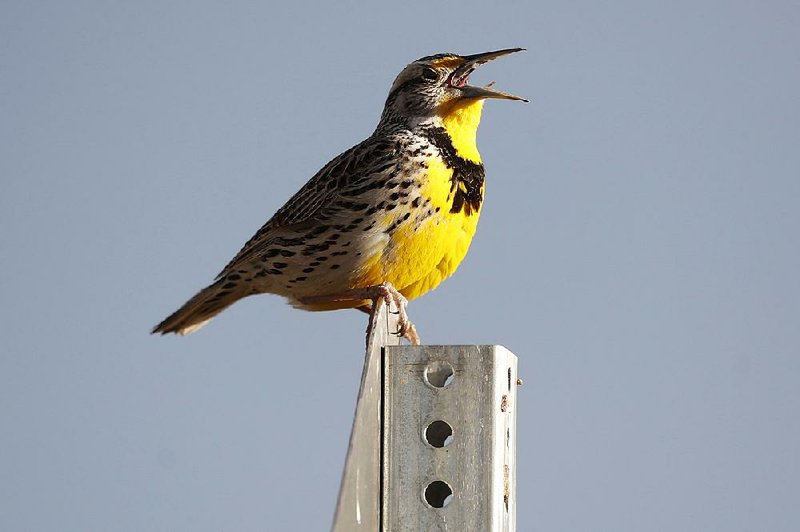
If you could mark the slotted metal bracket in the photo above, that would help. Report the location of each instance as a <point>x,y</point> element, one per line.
<point>433,445</point>
<point>449,438</point>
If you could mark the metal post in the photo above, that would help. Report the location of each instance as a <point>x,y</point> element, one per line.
<point>433,440</point>
<point>449,439</point>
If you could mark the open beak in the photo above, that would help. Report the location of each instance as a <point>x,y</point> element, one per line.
<point>458,79</point>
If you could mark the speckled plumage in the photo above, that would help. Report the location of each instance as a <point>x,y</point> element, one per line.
<point>400,207</point>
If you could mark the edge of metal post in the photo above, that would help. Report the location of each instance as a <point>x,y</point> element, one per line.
<point>358,505</point>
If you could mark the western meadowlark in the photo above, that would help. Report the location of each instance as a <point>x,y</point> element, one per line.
<point>389,218</point>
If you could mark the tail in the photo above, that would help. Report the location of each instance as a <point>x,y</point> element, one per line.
<point>196,312</point>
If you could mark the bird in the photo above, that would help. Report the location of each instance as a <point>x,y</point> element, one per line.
<point>390,218</point>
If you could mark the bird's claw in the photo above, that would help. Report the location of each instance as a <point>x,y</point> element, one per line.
<point>408,331</point>
<point>385,291</point>
<point>405,329</point>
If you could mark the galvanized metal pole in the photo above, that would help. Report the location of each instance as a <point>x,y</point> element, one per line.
<point>433,445</point>
<point>449,439</point>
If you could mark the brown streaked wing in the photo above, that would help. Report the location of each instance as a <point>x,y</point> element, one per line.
<point>348,170</point>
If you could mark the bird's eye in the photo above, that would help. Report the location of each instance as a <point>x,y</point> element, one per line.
<point>430,74</point>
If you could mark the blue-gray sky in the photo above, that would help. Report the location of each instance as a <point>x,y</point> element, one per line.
<point>638,251</point>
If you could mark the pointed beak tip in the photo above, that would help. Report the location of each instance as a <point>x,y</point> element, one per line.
<point>508,51</point>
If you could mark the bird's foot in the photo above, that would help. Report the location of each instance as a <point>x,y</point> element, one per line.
<point>385,291</point>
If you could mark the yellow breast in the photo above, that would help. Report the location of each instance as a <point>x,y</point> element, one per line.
<point>420,256</point>
<point>433,239</point>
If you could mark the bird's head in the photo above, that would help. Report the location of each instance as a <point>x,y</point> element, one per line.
<point>433,85</point>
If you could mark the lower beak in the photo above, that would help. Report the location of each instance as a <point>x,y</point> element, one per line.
<point>474,61</point>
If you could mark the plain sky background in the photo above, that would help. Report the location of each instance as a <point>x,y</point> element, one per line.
<point>638,251</point>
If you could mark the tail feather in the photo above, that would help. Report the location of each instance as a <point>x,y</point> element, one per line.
<point>196,312</point>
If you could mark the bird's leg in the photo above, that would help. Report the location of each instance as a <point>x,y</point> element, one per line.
<point>406,328</point>
<point>384,291</point>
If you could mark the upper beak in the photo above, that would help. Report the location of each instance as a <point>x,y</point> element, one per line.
<point>471,63</point>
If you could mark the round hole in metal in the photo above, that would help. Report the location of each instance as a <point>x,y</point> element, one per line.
<point>439,434</point>
<point>439,373</point>
<point>438,494</point>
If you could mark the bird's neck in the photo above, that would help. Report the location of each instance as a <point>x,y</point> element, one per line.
<point>461,119</point>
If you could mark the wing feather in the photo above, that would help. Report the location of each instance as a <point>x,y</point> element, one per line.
<point>323,196</point>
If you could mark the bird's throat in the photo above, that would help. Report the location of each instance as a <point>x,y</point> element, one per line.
<point>461,119</point>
